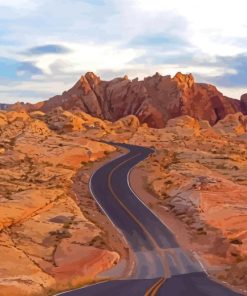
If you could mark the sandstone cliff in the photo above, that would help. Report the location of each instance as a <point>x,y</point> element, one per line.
<point>153,100</point>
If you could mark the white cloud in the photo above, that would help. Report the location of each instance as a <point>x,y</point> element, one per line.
<point>15,9</point>
<point>100,38</point>
<point>17,4</point>
<point>84,57</point>
<point>233,92</point>
<point>37,89</point>
<point>212,25</point>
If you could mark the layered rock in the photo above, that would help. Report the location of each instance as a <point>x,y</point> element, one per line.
<point>51,235</point>
<point>184,125</point>
<point>47,241</point>
<point>232,124</point>
<point>198,183</point>
<point>154,100</point>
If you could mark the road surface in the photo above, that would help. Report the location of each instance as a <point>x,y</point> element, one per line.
<point>161,267</point>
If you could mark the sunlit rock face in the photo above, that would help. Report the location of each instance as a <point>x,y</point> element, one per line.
<point>44,233</point>
<point>53,232</point>
<point>198,176</point>
<point>154,100</point>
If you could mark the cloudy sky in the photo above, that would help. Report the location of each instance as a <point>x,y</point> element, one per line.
<point>46,45</point>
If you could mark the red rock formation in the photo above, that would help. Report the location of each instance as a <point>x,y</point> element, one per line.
<point>154,100</point>
<point>243,104</point>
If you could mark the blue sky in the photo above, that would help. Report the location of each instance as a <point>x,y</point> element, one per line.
<point>45,46</point>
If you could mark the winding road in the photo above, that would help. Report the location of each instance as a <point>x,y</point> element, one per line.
<point>161,267</point>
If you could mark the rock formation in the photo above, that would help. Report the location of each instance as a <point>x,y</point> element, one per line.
<point>153,100</point>
<point>48,242</point>
<point>52,233</point>
<point>198,183</point>
<point>232,124</point>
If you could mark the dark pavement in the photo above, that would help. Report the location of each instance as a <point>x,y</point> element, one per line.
<point>162,267</point>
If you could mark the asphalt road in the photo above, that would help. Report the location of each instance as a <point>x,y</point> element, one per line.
<point>161,267</point>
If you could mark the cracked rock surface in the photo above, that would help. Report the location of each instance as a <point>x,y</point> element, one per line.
<point>46,242</point>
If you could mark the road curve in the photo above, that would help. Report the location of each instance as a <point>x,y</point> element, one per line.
<point>162,267</point>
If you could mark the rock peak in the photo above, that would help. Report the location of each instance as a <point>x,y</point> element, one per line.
<point>91,76</point>
<point>184,79</point>
<point>92,79</point>
<point>154,100</point>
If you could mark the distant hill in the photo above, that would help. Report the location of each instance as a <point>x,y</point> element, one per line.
<point>4,106</point>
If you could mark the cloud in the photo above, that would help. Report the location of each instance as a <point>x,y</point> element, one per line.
<point>27,68</point>
<point>17,4</point>
<point>36,89</point>
<point>234,76</point>
<point>48,49</point>
<point>86,57</point>
<point>238,78</point>
<point>163,41</point>
<point>212,26</point>
<point>13,69</point>
<point>49,44</point>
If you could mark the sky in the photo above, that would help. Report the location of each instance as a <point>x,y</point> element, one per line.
<point>46,45</point>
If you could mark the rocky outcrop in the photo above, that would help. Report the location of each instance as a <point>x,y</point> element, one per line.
<point>52,233</point>
<point>243,104</point>
<point>48,242</point>
<point>153,100</point>
<point>197,179</point>
<point>232,124</point>
<point>129,122</point>
<point>185,125</point>
<point>20,107</point>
